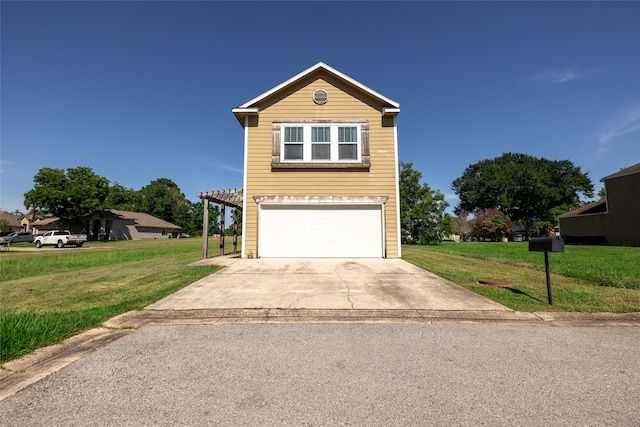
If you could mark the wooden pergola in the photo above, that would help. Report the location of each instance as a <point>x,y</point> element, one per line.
<point>224,198</point>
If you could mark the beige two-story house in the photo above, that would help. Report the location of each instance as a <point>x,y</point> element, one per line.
<point>320,169</point>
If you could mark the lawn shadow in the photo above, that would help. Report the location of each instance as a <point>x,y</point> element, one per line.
<point>519,292</point>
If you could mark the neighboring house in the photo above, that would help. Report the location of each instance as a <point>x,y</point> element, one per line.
<point>320,169</point>
<point>611,221</point>
<point>10,222</point>
<point>112,224</point>
<point>25,224</point>
<point>43,225</point>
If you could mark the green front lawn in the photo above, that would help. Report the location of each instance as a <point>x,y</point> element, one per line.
<point>49,295</point>
<point>583,278</point>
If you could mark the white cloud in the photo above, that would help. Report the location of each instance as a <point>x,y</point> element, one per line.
<point>558,77</point>
<point>229,168</point>
<point>217,165</point>
<point>452,196</point>
<point>626,122</point>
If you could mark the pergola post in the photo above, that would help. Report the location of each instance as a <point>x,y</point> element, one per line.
<point>222,216</point>
<point>232,198</point>
<point>205,230</point>
<point>235,231</point>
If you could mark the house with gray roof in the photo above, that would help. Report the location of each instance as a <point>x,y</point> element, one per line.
<point>10,222</point>
<point>113,224</point>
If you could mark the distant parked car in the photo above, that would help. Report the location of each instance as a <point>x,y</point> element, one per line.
<point>20,237</point>
<point>60,239</point>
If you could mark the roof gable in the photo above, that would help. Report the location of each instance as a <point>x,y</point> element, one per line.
<point>251,107</point>
<point>11,220</point>
<point>41,222</point>
<point>626,171</point>
<point>598,206</point>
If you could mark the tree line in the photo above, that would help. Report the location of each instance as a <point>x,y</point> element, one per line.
<point>495,195</point>
<point>77,193</point>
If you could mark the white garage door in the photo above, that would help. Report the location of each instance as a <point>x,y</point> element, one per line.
<point>344,231</point>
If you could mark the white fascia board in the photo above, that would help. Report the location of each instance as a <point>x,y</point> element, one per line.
<point>242,113</point>
<point>240,110</point>
<point>309,71</point>
<point>390,111</point>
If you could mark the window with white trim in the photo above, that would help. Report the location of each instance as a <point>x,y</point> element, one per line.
<point>321,142</point>
<point>293,139</point>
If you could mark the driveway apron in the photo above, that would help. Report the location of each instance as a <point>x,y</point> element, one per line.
<point>323,283</point>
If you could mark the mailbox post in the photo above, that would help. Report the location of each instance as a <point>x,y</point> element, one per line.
<point>546,245</point>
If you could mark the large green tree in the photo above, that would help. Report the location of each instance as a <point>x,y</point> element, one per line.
<point>423,218</point>
<point>523,187</point>
<point>70,195</point>
<point>163,199</point>
<point>194,226</point>
<point>121,198</point>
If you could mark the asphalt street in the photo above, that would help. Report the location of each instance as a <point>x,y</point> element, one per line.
<point>345,374</point>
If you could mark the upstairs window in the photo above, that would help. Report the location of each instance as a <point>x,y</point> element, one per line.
<point>321,143</point>
<point>293,139</point>
<point>324,143</point>
<point>348,143</point>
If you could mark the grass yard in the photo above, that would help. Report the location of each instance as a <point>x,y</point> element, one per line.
<point>49,295</point>
<point>583,278</point>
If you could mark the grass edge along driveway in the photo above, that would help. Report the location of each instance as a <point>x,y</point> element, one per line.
<point>48,296</point>
<point>466,263</point>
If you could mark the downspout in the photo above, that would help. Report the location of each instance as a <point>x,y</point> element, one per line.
<point>244,186</point>
<point>395,148</point>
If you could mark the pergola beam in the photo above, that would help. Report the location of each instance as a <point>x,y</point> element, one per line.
<point>231,198</point>
<point>223,198</point>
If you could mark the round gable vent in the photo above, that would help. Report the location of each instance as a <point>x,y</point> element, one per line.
<point>320,97</point>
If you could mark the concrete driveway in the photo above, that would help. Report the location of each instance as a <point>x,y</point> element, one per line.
<point>323,284</point>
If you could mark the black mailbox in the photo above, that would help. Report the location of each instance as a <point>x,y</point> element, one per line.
<point>546,244</point>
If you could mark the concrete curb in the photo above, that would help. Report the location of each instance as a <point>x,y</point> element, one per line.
<point>136,319</point>
<point>20,373</point>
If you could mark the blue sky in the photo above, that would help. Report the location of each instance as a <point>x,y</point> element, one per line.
<point>144,90</point>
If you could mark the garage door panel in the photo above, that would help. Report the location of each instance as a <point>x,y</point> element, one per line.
<point>321,231</point>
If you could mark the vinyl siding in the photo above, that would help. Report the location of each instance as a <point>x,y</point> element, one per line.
<point>344,103</point>
<point>624,210</point>
<point>621,224</point>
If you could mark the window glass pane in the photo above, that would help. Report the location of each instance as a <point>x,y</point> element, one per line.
<point>348,152</point>
<point>293,151</point>
<point>320,151</point>
<point>293,134</point>
<point>320,134</point>
<point>347,134</point>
